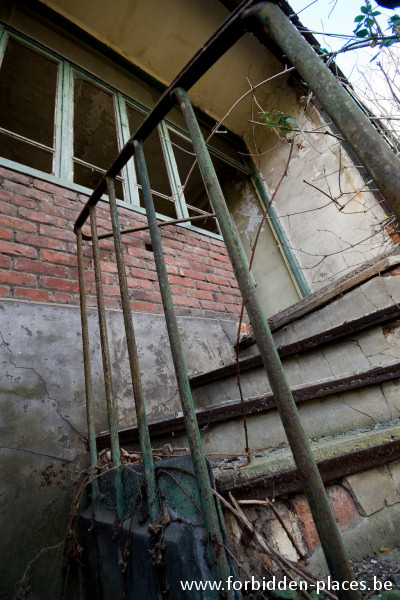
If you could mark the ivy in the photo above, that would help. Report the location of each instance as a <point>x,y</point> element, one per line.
<point>367,28</point>
<point>284,122</point>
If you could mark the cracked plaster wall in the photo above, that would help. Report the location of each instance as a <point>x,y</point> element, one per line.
<point>43,419</point>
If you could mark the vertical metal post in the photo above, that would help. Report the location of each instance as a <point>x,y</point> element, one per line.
<point>87,370</point>
<point>313,486</point>
<point>370,147</point>
<point>144,436</point>
<point>111,412</point>
<point>215,545</point>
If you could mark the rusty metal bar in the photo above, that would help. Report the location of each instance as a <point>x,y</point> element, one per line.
<point>313,486</point>
<point>144,436</point>
<point>364,139</point>
<point>111,411</point>
<point>104,236</point>
<point>88,372</point>
<point>215,540</point>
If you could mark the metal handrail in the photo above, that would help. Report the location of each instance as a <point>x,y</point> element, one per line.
<point>270,17</point>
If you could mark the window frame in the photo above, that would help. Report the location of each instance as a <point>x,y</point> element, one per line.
<point>63,151</point>
<point>63,155</point>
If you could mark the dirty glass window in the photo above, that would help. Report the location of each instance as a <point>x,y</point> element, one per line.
<point>57,119</point>
<point>164,201</point>
<point>94,133</point>
<point>28,86</point>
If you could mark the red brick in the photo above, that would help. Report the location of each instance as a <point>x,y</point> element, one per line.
<point>4,291</point>
<point>57,283</point>
<point>233,291</point>
<point>212,306</point>
<point>58,258</point>
<point>144,296</point>
<point>170,243</point>
<point>203,285</point>
<point>54,189</point>
<point>36,266</point>
<point>57,233</point>
<point>14,223</point>
<point>184,281</point>
<point>224,298</point>
<point>43,217</point>
<point>24,202</point>
<point>192,274</point>
<point>137,252</point>
<point>142,274</point>
<point>35,295</point>
<point>15,176</point>
<point>61,297</point>
<point>142,284</point>
<point>145,307</point>
<point>43,242</point>
<point>16,188</point>
<point>16,249</point>
<point>219,257</point>
<point>131,261</point>
<point>185,301</point>
<point>234,308</point>
<point>6,234</point>
<point>217,280</point>
<point>344,509</point>
<point>7,208</point>
<point>110,290</point>
<point>177,290</point>
<point>227,271</point>
<point>5,261</point>
<point>201,294</point>
<point>111,303</point>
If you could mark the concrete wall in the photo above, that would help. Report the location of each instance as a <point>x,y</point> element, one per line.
<point>43,418</point>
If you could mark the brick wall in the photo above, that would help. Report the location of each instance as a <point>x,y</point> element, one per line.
<point>38,255</point>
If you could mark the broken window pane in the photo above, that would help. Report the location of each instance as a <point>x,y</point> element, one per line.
<point>157,170</point>
<point>28,86</point>
<point>95,133</point>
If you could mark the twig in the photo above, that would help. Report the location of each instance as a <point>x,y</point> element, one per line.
<point>268,503</point>
<point>274,554</point>
<point>284,174</point>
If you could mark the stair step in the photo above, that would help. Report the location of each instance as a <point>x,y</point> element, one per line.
<point>217,413</point>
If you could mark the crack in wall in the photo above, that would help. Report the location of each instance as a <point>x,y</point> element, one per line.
<point>387,403</point>
<point>359,411</point>
<point>60,458</point>
<point>7,346</point>
<point>369,299</point>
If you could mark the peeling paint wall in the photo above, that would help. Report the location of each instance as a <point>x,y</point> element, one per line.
<point>43,418</point>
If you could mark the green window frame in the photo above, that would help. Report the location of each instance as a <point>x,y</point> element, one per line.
<point>62,172</point>
<point>170,136</point>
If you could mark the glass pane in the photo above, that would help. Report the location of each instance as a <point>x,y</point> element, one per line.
<point>28,84</point>
<point>195,193</point>
<point>155,161</point>
<point>95,131</point>
<point>163,206</point>
<point>89,178</point>
<point>207,223</point>
<point>24,153</point>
